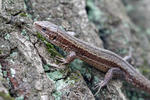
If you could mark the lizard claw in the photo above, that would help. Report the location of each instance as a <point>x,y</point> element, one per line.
<point>59,66</point>
<point>59,58</point>
<point>63,60</point>
<point>99,86</point>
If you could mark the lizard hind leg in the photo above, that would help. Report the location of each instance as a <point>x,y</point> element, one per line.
<point>109,75</point>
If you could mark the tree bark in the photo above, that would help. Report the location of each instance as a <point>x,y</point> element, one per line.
<point>27,59</point>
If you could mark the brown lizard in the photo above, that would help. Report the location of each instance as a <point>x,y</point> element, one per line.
<point>102,59</point>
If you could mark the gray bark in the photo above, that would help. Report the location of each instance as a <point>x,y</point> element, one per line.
<point>28,57</point>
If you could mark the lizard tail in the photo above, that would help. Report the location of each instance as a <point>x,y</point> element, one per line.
<point>139,81</point>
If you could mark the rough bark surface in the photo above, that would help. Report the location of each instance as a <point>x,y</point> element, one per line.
<point>27,56</point>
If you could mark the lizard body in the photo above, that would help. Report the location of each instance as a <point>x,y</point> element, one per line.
<point>102,59</point>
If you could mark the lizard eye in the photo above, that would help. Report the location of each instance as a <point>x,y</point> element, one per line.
<point>54,38</point>
<point>43,29</point>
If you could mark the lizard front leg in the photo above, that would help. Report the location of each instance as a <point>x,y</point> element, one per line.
<point>70,57</point>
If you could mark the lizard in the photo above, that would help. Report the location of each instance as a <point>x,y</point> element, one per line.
<point>102,59</point>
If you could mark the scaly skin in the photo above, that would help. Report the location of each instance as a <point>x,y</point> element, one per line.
<point>101,59</point>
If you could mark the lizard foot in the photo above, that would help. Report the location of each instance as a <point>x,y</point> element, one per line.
<point>62,60</point>
<point>99,86</point>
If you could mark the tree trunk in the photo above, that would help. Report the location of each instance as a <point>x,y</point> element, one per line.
<point>26,59</point>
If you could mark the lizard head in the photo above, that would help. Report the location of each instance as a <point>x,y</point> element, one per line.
<point>47,29</point>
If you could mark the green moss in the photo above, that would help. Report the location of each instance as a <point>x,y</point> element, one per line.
<point>55,75</point>
<point>144,69</point>
<point>57,95</point>
<point>6,96</point>
<point>24,32</point>
<point>46,67</point>
<point>94,12</point>
<point>122,51</point>
<point>20,98</point>
<point>10,1</point>
<point>97,16</point>
<point>49,46</point>
<point>129,8</point>
<point>77,65</point>
<point>61,82</point>
<point>75,77</point>
<point>23,14</point>
<point>13,54</point>
<point>5,73</point>
<point>148,31</point>
<point>30,16</point>
<point>96,79</point>
<point>7,36</point>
